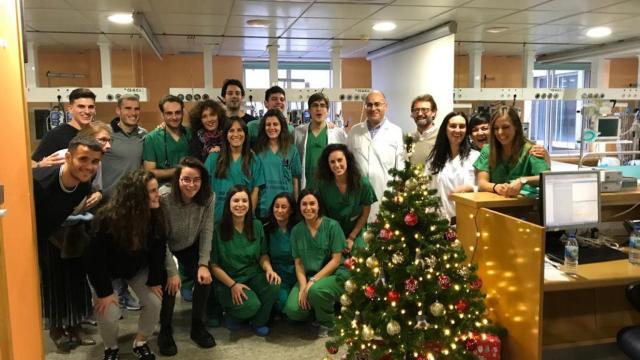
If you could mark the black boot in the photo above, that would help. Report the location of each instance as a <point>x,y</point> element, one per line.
<point>201,336</point>
<point>166,344</point>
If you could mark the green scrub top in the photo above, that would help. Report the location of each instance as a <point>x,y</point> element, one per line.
<point>168,156</point>
<point>316,252</point>
<point>239,257</point>
<point>346,208</point>
<point>254,129</point>
<point>280,255</point>
<point>234,176</point>
<point>279,172</point>
<point>527,165</point>
<point>315,145</point>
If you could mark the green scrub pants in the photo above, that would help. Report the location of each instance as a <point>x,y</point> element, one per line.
<point>322,297</point>
<point>257,308</point>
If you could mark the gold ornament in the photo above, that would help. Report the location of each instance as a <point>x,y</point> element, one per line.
<point>397,258</point>
<point>350,286</point>
<point>368,236</point>
<point>393,328</point>
<point>437,309</point>
<point>372,262</point>
<point>344,309</point>
<point>367,333</point>
<point>345,300</point>
<point>456,243</point>
<point>411,184</point>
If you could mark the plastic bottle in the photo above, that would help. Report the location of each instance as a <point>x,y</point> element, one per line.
<point>571,255</point>
<point>634,247</point>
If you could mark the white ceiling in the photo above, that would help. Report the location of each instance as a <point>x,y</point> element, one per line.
<point>310,29</point>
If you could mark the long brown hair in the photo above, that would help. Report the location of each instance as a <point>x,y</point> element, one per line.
<point>226,222</point>
<point>519,141</point>
<point>224,160</point>
<point>127,214</point>
<point>284,138</point>
<point>203,196</point>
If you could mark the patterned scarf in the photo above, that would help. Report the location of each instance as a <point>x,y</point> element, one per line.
<point>209,139</point>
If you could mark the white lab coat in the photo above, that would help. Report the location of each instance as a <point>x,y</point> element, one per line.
<point>454,173</point>
<point>334,136</point>
<point>375,157</point>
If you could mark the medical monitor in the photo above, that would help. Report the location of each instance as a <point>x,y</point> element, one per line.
<point>570,199</point>
<point>608,128</point>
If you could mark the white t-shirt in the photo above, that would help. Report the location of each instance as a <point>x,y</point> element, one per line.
<point>455,173</point>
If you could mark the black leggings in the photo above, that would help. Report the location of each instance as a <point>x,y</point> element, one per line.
<point>189,258</point>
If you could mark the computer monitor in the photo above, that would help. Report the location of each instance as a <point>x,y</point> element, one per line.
<point>608,128</point>
<point>570,199</point>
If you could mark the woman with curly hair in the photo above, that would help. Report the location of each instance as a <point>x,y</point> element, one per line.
<point>129,243</point>
<point>280,160</point>
<point>208,119</point>
<point>451,160</point>
<point>234,164</point>
<point>346,194</point>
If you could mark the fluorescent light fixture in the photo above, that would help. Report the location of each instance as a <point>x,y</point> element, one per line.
<point>260,23</point>
<point>147,33</point>
<point>621,46</point>
<point>598,32</point>
<point>384,26</point>
<point>497,29</point>
<point>121,18</point>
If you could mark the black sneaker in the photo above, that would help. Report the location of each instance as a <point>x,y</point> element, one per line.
<point>166,344</point>
<point>111,354</point>
<point>143,352</point>
<point>201,336</point>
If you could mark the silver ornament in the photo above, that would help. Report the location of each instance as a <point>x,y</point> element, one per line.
<point>367,333</point>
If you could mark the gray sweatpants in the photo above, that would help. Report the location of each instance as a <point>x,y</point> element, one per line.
<point>149,315</point>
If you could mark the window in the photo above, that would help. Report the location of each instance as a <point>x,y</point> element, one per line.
<point>556,123</point>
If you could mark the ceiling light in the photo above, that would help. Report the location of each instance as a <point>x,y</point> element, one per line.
<point>258,23</point>
<point>121,18</point>
<point>598,32</point>
<point>497,29</point>
<point>384,26</point>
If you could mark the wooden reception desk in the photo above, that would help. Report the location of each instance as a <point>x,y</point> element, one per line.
<point>503,236</point>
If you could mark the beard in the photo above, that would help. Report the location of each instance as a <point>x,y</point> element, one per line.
<point>423,122</point>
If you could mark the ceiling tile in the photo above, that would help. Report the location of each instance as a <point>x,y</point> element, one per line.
<point>629,7</point>
<point>591,19</point>
<point>194,30</point>
<point>535,17</point>
<point>46,4</point>
<point>453,3</point>
<point>192,6</point>
<point>499,4</point>
<point>312,34</point>
<point>409,12</point>
<point>575,5</point>
<point>551,30</point>
<point>263,8</point>
<point>308,44</point>
<point>277,22</point>
<point>112,5</point>
<point>473,15</point>
<point>350,11</point>
<point>323,24</point>
<point>60,18</point>
<point>253,31</point>
<point>194,19</point>
<point>244,43</point>
<point>364,30</point>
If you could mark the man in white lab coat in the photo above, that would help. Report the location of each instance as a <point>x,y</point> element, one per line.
<point>313,137</point>
<point>377,146</point>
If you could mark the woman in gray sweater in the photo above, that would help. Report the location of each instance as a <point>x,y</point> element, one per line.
<point>189,212</point>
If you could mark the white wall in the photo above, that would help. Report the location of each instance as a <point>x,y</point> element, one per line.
<point>424,69</point>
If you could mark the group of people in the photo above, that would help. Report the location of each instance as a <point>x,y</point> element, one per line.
<point>257,215</point>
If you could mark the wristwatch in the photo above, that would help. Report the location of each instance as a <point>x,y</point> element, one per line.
<point>523,180</point>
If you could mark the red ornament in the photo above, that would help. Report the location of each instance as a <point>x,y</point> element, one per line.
<point>411,219</point>
<point>476,284</point>
<point>462,306</point>
<point>370,291</point>
<point>450,235</point>
<point>432,346</point>
<point>332,350</point>
<point>393,296</point>
<point>411,285</point>
<point>385,234</point>
<point>444,281</point>
<point>349,263</point>
<point>471,344</point>
<point>421,357</point>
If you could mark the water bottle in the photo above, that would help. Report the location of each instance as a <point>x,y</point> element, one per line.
<point>634,247</point>
<point>571,255</point>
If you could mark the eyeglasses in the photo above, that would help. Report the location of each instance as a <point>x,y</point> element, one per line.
<point>318,105</point>
<point>376,105</point>
<point>168,114</point>
<point>189,181</point>
<point>421,110</point>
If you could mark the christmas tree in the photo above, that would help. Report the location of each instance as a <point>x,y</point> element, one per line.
<point>411,295</point>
